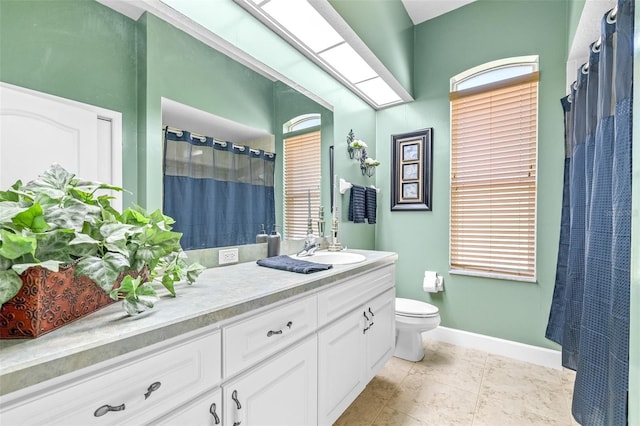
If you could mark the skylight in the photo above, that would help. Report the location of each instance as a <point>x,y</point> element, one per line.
<point>304,23</point>
<point>304,26</point>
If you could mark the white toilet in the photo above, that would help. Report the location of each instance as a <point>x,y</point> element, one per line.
<point>413,317</point>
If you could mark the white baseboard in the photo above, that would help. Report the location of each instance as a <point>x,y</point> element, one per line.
<point>520,351</point>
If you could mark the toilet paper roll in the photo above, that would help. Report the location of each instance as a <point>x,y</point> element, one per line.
<point>432,282</point>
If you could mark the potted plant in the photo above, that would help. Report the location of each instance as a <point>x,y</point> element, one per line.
<point>58,222</point>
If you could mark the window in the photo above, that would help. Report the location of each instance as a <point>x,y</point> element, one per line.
<point>301,176</point>
<point>493,170</point>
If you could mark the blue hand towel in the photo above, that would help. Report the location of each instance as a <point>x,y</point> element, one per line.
<point>356,204</point>
<point>371,204</point>
<point>286,263</point>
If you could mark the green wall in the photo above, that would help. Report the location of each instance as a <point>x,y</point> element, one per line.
<point>385,27</point>
<point>457,41</point>
<point>78,50</point>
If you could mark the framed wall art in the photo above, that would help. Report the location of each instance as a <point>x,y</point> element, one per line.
<point>412,170</point>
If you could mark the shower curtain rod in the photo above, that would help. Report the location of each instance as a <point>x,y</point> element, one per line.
<point>203,138</point>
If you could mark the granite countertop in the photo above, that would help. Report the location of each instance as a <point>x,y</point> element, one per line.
<point>218,294</point>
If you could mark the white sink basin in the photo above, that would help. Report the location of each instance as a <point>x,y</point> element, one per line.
<point>333,257</point>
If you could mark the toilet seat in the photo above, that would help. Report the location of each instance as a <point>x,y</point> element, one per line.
<point>415,308</point>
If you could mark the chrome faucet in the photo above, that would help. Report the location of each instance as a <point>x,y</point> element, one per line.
<point>310,246</point>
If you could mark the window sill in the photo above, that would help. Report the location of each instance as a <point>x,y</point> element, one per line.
<point>492,276</point>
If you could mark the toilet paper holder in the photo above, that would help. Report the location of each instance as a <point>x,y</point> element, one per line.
<point>432,282</point>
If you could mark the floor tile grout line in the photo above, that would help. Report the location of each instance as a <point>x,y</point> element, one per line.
<point>386,403</point>
<point>477,406</point>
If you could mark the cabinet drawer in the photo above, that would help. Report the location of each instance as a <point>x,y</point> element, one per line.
<point>337,301</point>
<point>254,339</point>
<point>183,368</point>
<point>204,411</point>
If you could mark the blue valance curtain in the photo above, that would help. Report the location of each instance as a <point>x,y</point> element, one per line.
<point>590,309</point>
<point>218,193</point>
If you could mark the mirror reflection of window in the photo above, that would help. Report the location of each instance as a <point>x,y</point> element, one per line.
<point>302,161</point>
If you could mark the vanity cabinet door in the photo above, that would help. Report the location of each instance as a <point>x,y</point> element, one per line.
<point>281,391</point>
<point>204,411</point>
<point>341,366</point>
<point>381,332</point>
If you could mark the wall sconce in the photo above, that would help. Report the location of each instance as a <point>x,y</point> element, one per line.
<point>368,166</point>
<point>357,150</point>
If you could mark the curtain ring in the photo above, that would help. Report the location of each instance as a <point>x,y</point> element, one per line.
<point>595,47</point>
<point>570,98</point>
<point>585,69</point>
<point>611,16</point>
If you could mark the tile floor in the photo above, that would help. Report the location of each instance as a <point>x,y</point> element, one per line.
<point>454,385</point>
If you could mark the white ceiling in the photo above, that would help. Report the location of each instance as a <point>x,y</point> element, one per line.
<point>423,10</point>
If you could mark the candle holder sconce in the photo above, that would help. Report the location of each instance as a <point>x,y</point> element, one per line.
<point>357,150</point>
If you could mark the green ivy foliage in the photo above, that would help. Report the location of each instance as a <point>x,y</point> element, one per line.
<point>58,220</point>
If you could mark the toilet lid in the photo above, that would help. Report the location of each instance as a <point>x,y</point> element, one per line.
<point>415,308</point>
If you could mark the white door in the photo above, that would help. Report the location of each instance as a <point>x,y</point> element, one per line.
<point>279,392</point>
<point>380,337</point>
<point>37,130</point>
<point>341,361</point>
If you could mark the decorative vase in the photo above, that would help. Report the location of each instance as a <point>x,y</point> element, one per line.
<point>49,300</point>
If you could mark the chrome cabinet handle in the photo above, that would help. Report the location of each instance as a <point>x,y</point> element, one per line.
<point>271,332</point>
<point>212,410</point>
<point>234,397</point>
<point>367,326</point>
<point>152,388</point>
<point>101,411</point>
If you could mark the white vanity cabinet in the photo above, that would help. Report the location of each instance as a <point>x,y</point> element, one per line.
<point>299,361</point>
<point>133,389</point>
<point>354,347</point>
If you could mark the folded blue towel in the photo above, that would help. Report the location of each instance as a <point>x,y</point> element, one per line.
<point>286,263</point>
<point>356,204</point>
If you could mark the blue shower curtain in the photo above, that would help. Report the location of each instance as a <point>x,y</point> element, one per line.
<point>589,314</point>
<point>218,193</point>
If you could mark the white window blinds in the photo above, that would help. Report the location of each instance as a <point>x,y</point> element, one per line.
<point>493,178</point>
<point>301,180</point>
